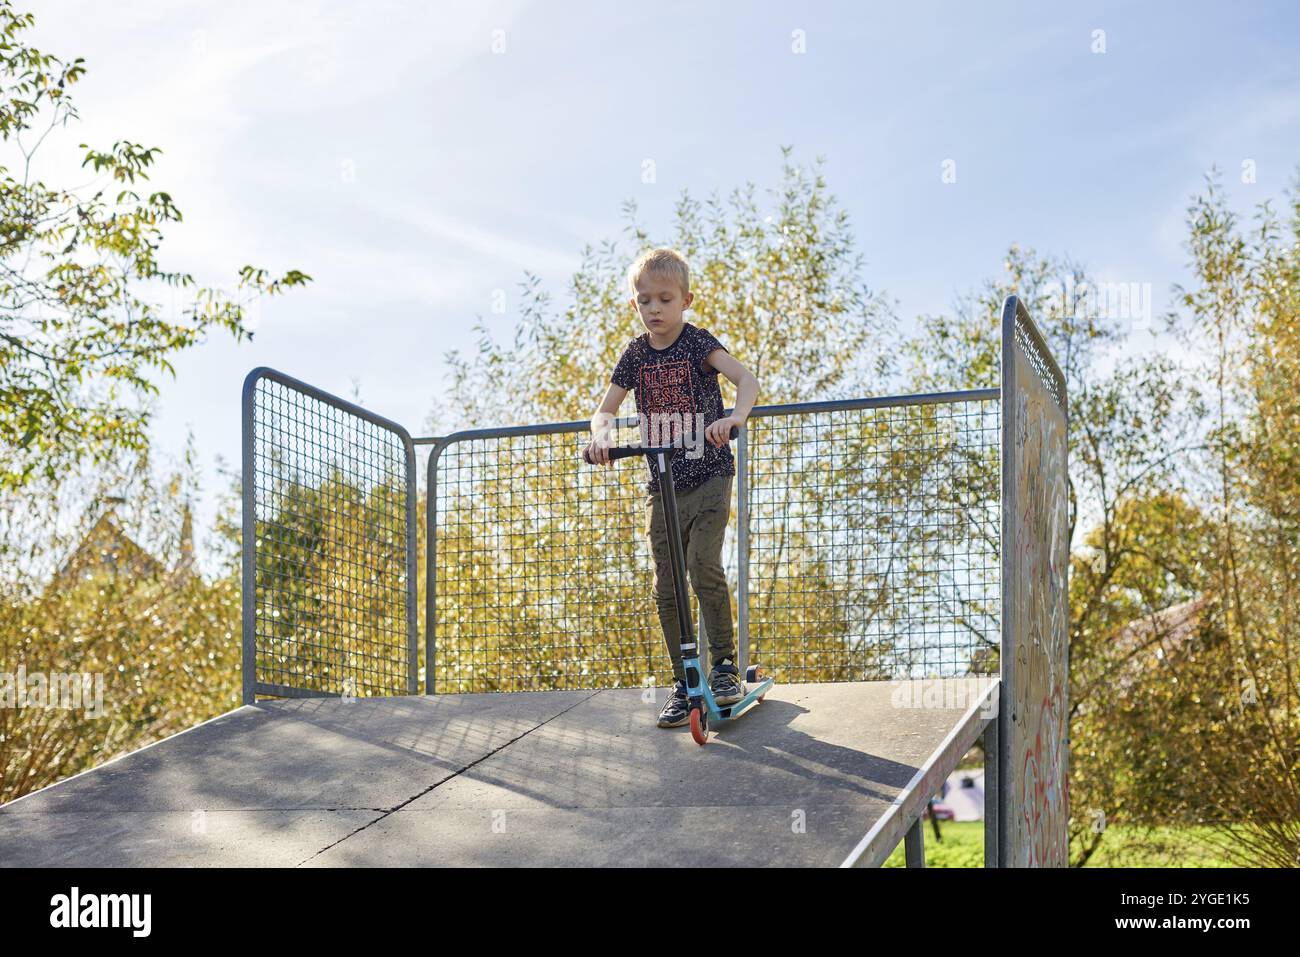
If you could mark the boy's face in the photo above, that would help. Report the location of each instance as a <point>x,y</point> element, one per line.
<point>660,303</point>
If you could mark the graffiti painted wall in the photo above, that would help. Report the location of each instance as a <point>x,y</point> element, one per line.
<point>1035,564</point>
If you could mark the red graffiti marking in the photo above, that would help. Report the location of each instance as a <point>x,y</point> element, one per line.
<point>1041,804</point>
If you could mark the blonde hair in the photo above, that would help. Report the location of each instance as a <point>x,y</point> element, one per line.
<point>663,261</point>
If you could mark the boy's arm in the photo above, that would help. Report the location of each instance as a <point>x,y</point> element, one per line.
<point>602,424</point>
<point>746,394</point>
<point>603,419</point>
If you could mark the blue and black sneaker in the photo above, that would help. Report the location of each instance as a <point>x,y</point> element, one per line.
<point>725,683</point>
<point>677,709</point>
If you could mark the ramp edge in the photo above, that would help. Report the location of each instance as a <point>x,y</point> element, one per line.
<point>879,842</point>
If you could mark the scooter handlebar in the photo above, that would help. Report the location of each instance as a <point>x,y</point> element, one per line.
<point>627,451</point>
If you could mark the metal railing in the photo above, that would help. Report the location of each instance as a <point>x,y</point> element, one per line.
<point>864,546</point>
<point>329,582</point>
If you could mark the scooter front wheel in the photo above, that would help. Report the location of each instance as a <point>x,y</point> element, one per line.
<point>699,729</point>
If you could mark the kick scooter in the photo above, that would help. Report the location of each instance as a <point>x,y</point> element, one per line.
<point>703,706</point>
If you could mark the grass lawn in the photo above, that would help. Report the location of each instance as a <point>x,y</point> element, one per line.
<point>963,846</point>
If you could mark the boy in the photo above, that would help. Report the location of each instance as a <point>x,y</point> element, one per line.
<point>673,367</point>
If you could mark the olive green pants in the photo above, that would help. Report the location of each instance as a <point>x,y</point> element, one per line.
<point>702,513</point>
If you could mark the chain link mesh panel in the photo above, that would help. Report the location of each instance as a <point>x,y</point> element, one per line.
<point>873,541</point>
<point>542,570</point>
<point>329,601</point>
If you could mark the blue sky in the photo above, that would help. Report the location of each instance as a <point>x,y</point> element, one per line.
<point>387,150</point>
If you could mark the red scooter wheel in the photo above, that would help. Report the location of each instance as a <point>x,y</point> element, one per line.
<point>698,731</point>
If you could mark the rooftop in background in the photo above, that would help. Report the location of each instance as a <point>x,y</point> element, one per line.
<point>107,548</point>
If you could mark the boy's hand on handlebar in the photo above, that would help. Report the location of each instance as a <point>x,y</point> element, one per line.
<point>602,434</point>
<point>719,432</point>
<point>596,453</point>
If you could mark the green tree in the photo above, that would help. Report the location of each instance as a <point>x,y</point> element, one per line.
<point>118,596</point>
<point>780,284</point>
<point>1138,581</point>
<point>1240,310</point>
<point>80,336</point>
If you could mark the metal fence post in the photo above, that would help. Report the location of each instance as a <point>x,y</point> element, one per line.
<point>742,547</point>
<point>914,844</point>
<point>248,542</point>
<point>431,567</point>
<point>412,569</point>
<point>992,778</point>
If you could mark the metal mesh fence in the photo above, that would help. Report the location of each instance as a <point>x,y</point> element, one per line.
<point>541,570</point>
<point>329,602</point>
<point>873,540</point>
<point>872,550</point>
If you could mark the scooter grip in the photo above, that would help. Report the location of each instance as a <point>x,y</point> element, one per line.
<point>629,451</point>
<point>618,452</point>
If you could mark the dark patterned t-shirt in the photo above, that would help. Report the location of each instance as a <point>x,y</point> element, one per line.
<point>677,398</point>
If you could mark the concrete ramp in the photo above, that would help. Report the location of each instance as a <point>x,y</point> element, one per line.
<point>817,775</point>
